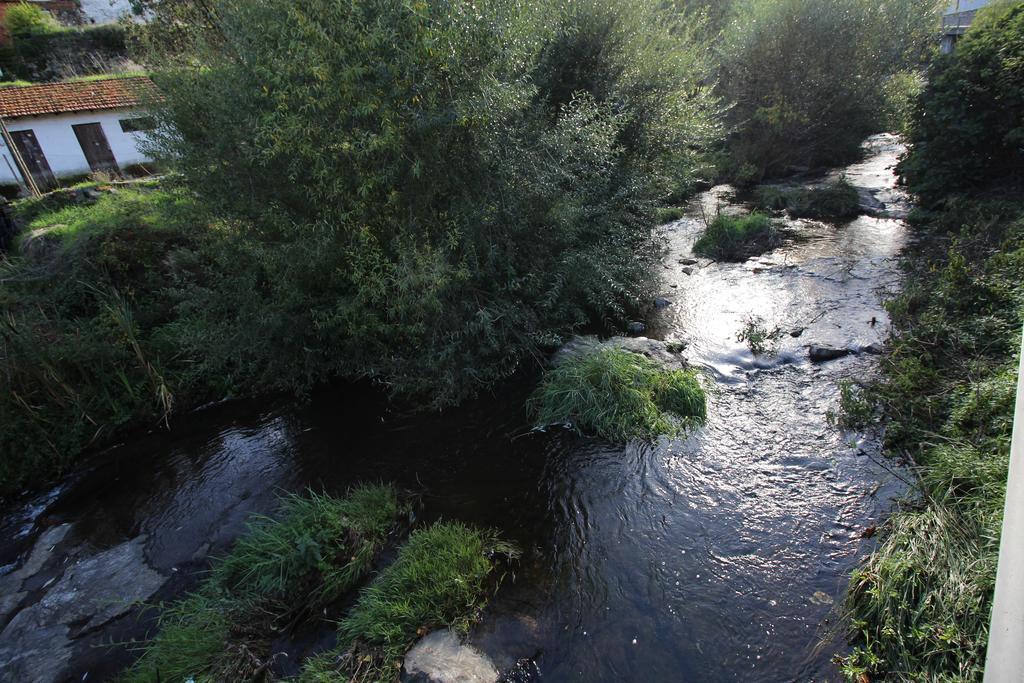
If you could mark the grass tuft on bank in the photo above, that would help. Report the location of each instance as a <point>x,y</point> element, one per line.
<point>834,201</point>
<point>735,238</point>
<point>441,579</point>
<point>313,551</point>
<point>618,395</point>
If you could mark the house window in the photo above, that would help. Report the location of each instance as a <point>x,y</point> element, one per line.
<point>142,123</point>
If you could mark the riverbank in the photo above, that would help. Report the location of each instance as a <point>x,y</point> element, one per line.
<point>921,603</point>
<point>99,334</point>
<point>919,607</point>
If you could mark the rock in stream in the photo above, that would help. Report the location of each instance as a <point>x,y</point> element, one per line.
<point>36,643</point>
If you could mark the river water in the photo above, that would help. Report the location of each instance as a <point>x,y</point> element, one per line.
<point>716,557</point>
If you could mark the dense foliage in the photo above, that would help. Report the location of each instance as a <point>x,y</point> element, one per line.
<point>91,340</point>
<point>618,395</point>
<point>434,189</point>
<point>24,19</point>
<point>968,132</point>
<point>807,81</point>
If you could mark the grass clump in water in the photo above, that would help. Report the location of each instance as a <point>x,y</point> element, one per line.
<point>618,395</point>
<point>316,549</point>
<point>830,202</point>
<point>735,238</point>
<point>440,579</point>
<point>667,214</point>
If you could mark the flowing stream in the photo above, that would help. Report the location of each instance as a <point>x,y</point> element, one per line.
<point>718,557</point>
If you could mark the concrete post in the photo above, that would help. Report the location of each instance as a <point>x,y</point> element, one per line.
<point>1004,662</point>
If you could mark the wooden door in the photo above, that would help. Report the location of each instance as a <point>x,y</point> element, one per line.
<point>97,149</point>
<point>35,160</point>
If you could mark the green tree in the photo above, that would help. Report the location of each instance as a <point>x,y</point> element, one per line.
<point>434,188</point>
<point>808,81</point>
<point>967,130</point>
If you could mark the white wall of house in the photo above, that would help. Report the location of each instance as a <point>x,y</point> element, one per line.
<point>61,148</point>
<point>103,11</point>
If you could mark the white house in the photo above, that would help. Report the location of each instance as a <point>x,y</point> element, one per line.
<point>71,129</point>
<point>956,19</point>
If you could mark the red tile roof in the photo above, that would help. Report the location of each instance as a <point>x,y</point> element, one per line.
<point>63,98</point>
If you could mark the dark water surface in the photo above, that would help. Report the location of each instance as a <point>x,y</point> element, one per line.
<point>718,557</point>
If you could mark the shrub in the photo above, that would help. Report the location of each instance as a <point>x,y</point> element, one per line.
<point>26,19</point>
<point>760,339</point>
<point>668,214</point>
<point>314,551</point>
<point>808,81</point>
<point>440,579</point>
<point>430,217</point>
<point>966,131</point>
<point>618,395</point>
<point>735,238</point>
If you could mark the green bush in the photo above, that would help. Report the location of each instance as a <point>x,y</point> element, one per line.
<point>809,80</point>
<point>966,132</point>
<point>316,549</point>
<point>618,395</point>
<point>430,217</point>
<point>440,579</point>
<point>667,214</point>
<point>26,19</point>
<point>735,238</point>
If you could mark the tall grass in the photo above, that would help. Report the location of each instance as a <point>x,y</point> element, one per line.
<point>315,549</point>
<point>618,395</point>
<point>311,553</point>
<point>440,579</point>
<point>91,340</point>
<point>734,238</point>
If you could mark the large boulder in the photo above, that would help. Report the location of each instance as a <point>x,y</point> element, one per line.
<point>822,354</point>
<point>440,657</point>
